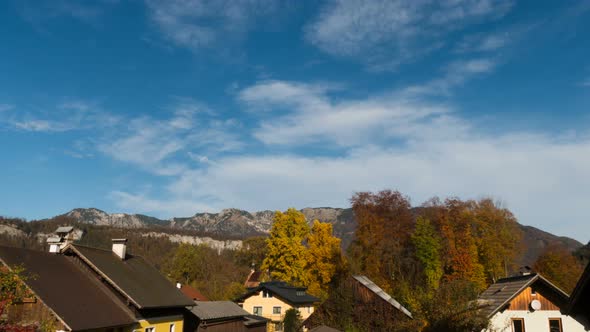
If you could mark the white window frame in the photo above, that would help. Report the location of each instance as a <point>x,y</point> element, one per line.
<point>254,310</point>
<point>172,327</point>
<point>280,310</point>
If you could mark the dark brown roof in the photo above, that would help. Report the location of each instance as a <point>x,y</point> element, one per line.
<point>192,293</point>
<point>135,278</point>
<point>504,290</point>
<point>79,300</point>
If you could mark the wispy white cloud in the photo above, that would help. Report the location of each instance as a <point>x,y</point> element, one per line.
<point>455,74</point>
<point>158,145</point>
<point>66,116</point>
<point>196,24</point>
<point>386,33</point>
<point>305,113</point>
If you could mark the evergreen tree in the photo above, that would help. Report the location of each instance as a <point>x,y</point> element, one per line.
<point>292,321</point>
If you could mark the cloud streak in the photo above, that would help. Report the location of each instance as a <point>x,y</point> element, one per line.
<point>198,24</point>
<point>384,34</point>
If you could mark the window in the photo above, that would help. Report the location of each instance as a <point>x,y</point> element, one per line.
<point>276,310</point>
<point>258,311</point>
<point>172,327</point>
<point>555,325</point>
<point>150,329</point>
<point>518,325</point>
<point>266,293</point>
<point>300,293</point>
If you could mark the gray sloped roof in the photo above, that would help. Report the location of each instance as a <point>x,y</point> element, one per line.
<point>504,290</point>
<point>291,294</point>
<point>217,309</point>
<point>79,300</point>
<point>139,281</point>
<point>64,229</point>
<point>381,293</point>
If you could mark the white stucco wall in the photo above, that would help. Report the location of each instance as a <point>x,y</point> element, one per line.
<point>537,321</point>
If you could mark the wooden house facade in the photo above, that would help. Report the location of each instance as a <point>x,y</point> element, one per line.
<point>527,302</point>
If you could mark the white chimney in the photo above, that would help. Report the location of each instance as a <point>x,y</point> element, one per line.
<point>120,247</point>
<point>54,245</point>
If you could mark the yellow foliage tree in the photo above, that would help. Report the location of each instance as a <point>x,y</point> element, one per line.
<point>324,258</point>
<point>286,256</point>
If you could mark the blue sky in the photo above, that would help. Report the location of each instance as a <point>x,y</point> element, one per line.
<point>169,108</point>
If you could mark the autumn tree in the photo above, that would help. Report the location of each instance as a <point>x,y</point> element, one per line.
<point>452,308</point>
<point>286,258</point>
<point>323,258</point>
<point>559,266</point>
<point>427,244</point>
<point>12,289</point>
<point>381,240</point>
<point>498,238</point>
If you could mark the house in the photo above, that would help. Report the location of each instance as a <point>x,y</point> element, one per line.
<point>527,302</point>
<point>360,303</point>
<point>63,295</point>
<point>78,288</point>
<point>253,279</point>
<point>579,306</point>
<point>212,316</point>
<point>191,293</point>
<point>272,299</point>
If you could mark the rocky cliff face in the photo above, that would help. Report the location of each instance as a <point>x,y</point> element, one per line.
<point>100,218</point>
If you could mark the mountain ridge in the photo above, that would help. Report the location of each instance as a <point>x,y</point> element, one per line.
<point>236,225</point>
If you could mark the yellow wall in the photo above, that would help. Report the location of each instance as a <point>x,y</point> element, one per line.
<point>161,324</point>
<point>267,304</point>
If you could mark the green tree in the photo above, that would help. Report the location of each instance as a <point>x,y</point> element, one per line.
<point>184,266</point>
<point>292,321</point>
<point>427,244</point>
<point>452,308</point>
<point>324,258</point>
<point>253,252</point>
<point>286,258</point>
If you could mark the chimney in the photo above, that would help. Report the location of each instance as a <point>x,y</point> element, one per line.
<point>120,247</point>
<point>54,244</point>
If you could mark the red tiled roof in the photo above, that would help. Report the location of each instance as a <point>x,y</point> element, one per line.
<point>192,293</point>
<point>253,279</point>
